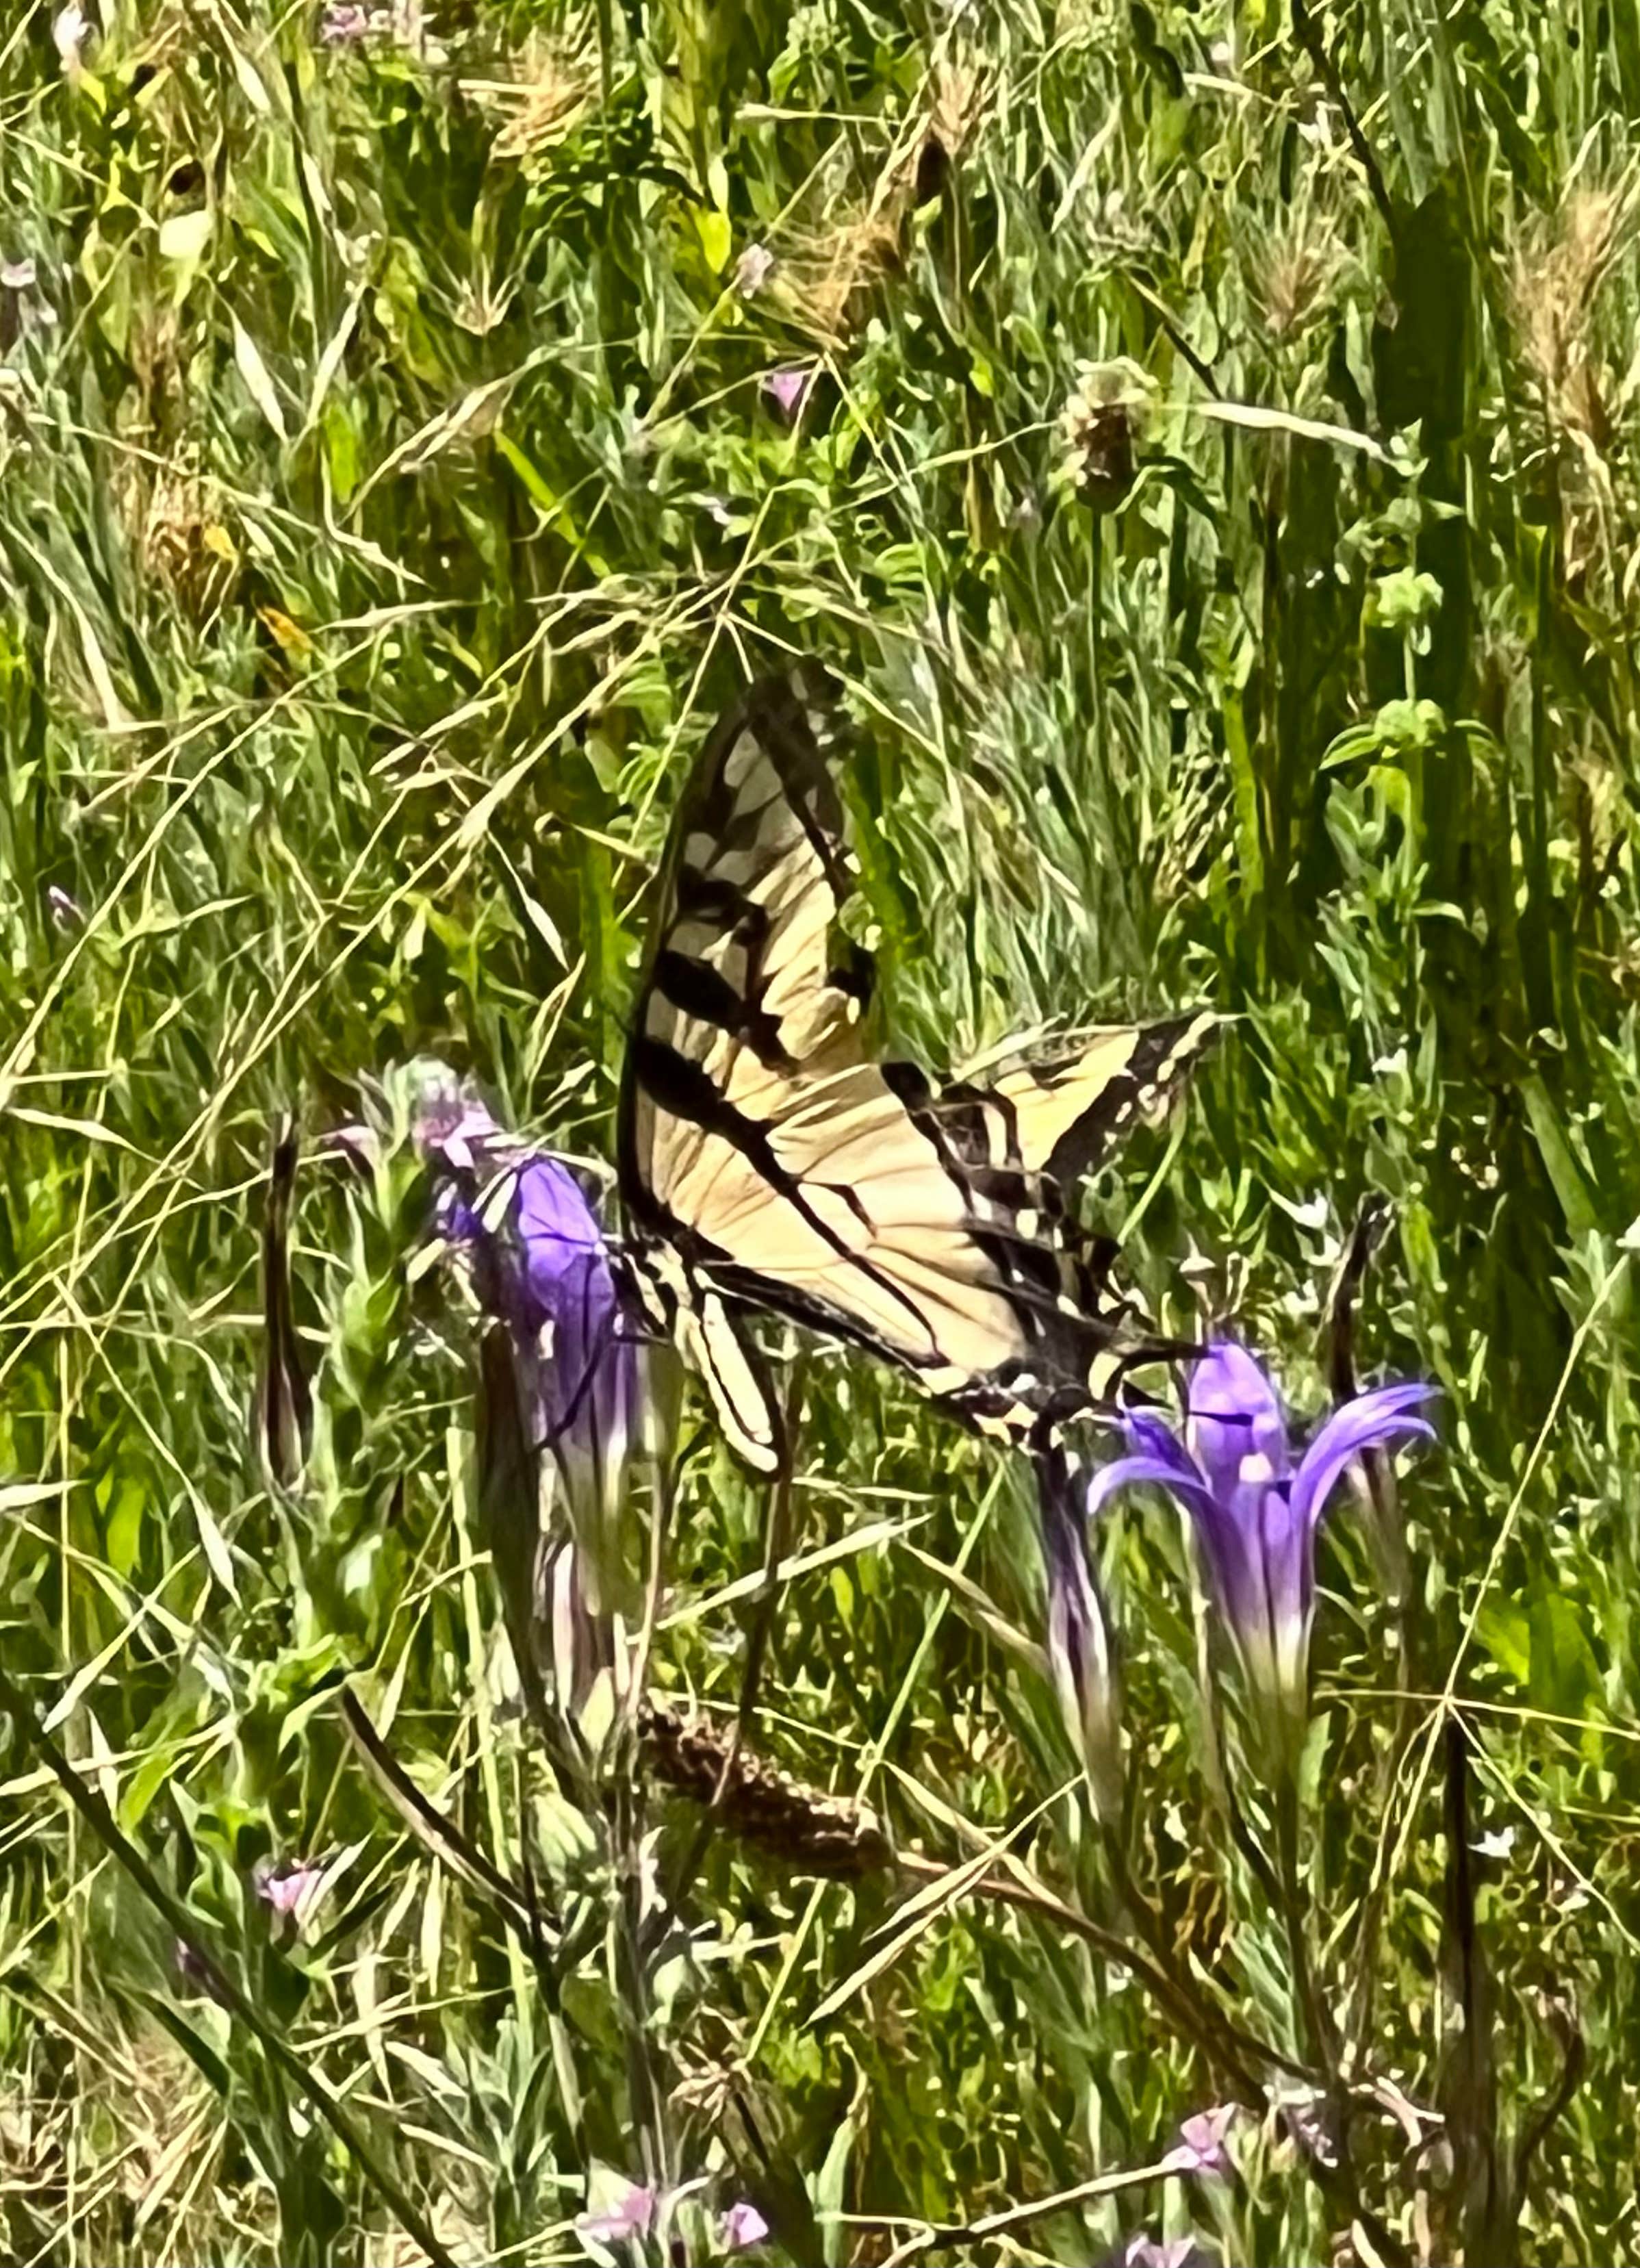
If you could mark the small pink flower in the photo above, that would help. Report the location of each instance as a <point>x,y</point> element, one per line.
<point>1179,2252</point>
<point>631,2215</point>
<point>1200,2148</point>
<point>743,2226</point>
<point>788,388</point>
<point>753,270</point>
<point>343,25</point>
<point>283,1888</point>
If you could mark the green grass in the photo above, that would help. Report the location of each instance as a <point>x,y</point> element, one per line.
<point>389,496</point>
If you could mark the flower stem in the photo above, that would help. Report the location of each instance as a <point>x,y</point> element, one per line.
<point>1320,2039</point>
<point>1195,2017</point>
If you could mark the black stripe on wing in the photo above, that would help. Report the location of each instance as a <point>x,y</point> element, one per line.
<point>702,993</point>
<point>953,1123</point>
<point>791,719</point>
<point>1162,1053</point>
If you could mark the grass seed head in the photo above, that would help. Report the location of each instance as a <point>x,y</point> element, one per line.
<point>1558,274</point>
<point>552,93</point>
<point>1098,427</point>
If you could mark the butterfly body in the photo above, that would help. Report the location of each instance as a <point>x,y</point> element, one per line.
<point>769,1162</point>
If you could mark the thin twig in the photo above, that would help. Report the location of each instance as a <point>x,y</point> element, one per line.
<point>1479,2189</point>
<point>932,2235</point>
<point>1574,2056</point>
<point>440,1834</point>
<point>756,1652</point>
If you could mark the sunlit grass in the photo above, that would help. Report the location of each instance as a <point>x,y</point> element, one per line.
<point>390,495</point>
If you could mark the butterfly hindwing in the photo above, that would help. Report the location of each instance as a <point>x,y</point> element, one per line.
<point>769,1162</point>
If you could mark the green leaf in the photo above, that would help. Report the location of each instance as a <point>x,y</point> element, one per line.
<point>717,234</point>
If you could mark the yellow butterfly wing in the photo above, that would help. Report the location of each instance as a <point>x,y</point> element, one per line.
<point>768,1161</point>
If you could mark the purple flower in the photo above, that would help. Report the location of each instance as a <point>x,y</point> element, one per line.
<point>284,1889</point>
<point>632,2214</point>
<point>1200,2148</point>
<point>559,1361</point>
<point>788,389</point>
<point>1145,2252</point>
<point>450,1125</point>
<point>541,1264</point>
<point>343,25</point>
<point>1256,1515</point>
<point>1078,1641</point>
<point>572,1304</point>
<point>743,2226</point>
<point>753,270</point>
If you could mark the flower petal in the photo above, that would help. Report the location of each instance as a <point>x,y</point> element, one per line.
<point>1174,1473</point>
<point>1370,1421</point>
<point>1286,1547</point>
<point>1149,1436</point>
<point>1079,1642</point>
<point>1231,1532</point>
<point>1200,2148</point>
<point>631,2213</point>
<point>743,2226</point>
<point>571,1286</point>
<point>1234,1413</point>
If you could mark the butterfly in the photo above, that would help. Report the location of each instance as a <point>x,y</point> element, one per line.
<point>768,1161</point>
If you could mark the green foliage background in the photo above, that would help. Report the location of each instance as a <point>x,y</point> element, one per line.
<point>389,494</point>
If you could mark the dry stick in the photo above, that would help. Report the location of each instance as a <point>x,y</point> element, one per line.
<point>1574,2055</point>
<point>285,1401</point>
<point>1478,2197</point>
<point>440,1834</point>
<point>97,1816</point>
<point>1371,1224</point>
<point>756,1651</point>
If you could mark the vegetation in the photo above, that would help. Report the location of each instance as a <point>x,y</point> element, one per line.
<point>1201,441</point>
